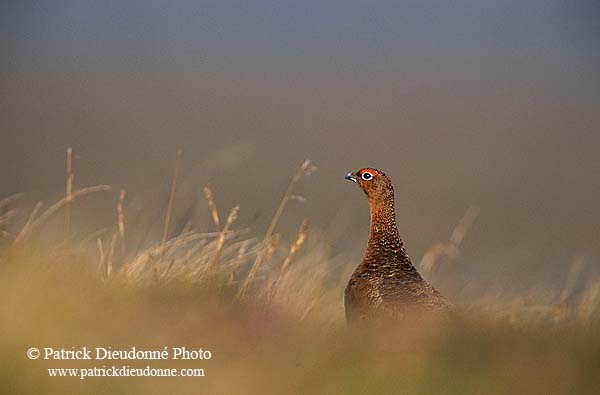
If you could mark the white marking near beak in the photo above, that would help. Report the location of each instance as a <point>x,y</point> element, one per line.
<point>350,177</point>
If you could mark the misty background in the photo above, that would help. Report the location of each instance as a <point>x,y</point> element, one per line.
<point>466,103</point>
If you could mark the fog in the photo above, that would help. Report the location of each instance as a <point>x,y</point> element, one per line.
<point>486,104</point>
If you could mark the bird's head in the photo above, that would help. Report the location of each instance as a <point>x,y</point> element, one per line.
<point>374,183</point>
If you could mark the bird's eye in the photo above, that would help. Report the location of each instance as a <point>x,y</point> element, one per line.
<point>366,176</point>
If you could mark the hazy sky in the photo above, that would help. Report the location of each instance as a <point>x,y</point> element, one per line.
<point>494,104</point>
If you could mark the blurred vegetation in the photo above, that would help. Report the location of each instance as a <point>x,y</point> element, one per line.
<point>269,307</point>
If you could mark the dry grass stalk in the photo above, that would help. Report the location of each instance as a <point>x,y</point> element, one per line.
<point>170,203</point>
<point>589,302</point>
<point>233,214</point>
<point>177,242</point>
<point>57,206</point>
<point>211,205</point>
<point>171,263</point>
<point>25,230</point>
<point>272,246</point>
<point>572,277</point>
<point>450,248</point>
<point>305,169</point>
<point>192,251</point>
<point>263,256</point>
<point>121,221</point>
<point>241,257</point>
<point>111,254</point>
<point>10,199</point>
<point>7,216</point>
<point>460,231</point>
<point>308,309</point>
<point>300,238</point>
<point>136,268</point>
<point>92,236</point>
<point>69,191</point>
<point>101,268</point>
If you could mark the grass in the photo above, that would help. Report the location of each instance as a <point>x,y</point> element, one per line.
<point>270,309</point>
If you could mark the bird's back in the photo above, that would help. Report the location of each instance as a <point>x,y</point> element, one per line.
<point>391,291</point>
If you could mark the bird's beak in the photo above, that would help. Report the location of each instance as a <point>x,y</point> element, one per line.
<point>351,176</point>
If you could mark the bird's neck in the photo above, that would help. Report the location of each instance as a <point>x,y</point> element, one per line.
<point>384,238</point>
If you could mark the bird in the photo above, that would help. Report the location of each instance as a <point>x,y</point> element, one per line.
<point>386,285</point>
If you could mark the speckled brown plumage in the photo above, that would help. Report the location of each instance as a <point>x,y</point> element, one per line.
<point>386,284</point>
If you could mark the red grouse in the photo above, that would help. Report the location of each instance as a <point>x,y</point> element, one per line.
<point>386,284</point>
